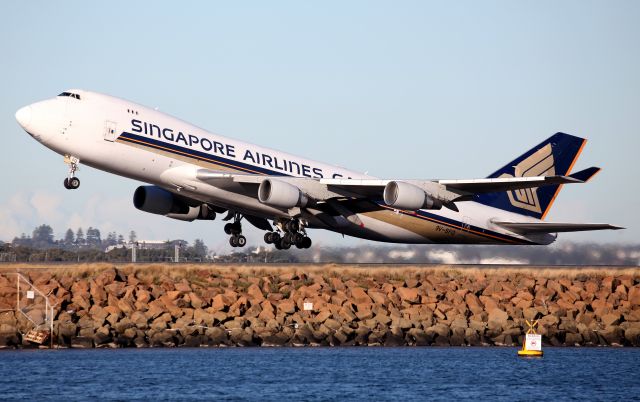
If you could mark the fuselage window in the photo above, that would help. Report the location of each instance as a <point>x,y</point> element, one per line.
<point>72,95</point>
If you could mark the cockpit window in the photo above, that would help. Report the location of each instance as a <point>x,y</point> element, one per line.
<point>70,94</point>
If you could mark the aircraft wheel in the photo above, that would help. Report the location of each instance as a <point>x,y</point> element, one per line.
<point>268,237</point>
<point>227,228</point>
<point>241,241</point>
<point>233,241</point>
<point>278,243</point>
<point>292,226</point>
<point>74,183</point>
<point>66,183</point>
<point>306,242</point>
<point>236,228</point>
<point>297,238</point>
<point>285,244</point>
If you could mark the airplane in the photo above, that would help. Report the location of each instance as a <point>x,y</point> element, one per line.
<point>194,174</point>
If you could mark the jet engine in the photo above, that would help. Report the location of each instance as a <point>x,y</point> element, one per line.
<point>401,195</point>
<point>280,194</point>
<point>159,201</point>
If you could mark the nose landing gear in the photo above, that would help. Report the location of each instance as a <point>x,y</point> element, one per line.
<point>71,182</point>
<point>235,230</point>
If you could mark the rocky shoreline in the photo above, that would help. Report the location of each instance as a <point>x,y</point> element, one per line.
<point>173,305</point>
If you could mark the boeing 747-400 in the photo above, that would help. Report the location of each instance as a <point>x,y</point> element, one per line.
<point>194,174</point>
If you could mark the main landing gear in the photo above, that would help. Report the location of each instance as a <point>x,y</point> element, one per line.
<point>235,230</point>
<point>71,182</point>
<point>294,235</point>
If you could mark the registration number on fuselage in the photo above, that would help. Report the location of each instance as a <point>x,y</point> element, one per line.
<point>446,230</point>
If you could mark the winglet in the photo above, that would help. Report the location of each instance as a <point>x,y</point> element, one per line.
<point>586,174</point>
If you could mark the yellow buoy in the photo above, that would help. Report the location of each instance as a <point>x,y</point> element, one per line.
<point>532,346</point>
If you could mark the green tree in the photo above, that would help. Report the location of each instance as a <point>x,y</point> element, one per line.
<point>93,237</point>
<point>199,249</point>
<point>80,237</point>
<point>69,238</point>
<point>42,236</point>
<point>111,240</point>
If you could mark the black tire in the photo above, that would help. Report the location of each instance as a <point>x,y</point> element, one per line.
<point>227,228</point>
<point>74,183</point>
<point>298,238</point>
<point>236,228</point>
<point>66,183</point>
<point>233,241</point>
<point>286,245</point>
<point>241,240</point>
<point>292,226</point>
<point>278,243</point>
<point>287,237</point>
<point>275,236</point>
<point>268,237</point>
<point>306,242</point>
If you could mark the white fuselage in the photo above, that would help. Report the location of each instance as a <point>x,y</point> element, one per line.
<point>134,141</point>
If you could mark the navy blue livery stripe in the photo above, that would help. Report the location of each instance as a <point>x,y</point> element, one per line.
<point>205,157</point>
<point>244,167</point>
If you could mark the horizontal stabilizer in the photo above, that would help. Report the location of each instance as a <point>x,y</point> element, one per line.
<point>481,186</point>
<point>554,227</point>
<point>586,174</point>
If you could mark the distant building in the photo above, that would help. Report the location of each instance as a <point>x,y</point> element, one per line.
<point>143,245</point>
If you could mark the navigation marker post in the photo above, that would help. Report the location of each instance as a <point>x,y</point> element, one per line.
<point>532,346</point>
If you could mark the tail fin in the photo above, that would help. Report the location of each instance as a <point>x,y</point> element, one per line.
<point>554,156</point>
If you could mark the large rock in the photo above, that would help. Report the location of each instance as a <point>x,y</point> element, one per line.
<point>220,302</point>
<point>633,296</point>
<point>632,335</point>
<point>394,337</point>
<point>286,307</point>
<point>216,336</point>
<point>613,336</point>
<point>409,295</point>
<point>276,339</point>
<point>489,303</point>
<point>255,294</point>
<point>611,319</point>
<point>346,314</point>
<point>498,317</point>
<point>573,339</point>
<point>162,338</point>
<point>360,296</point>
<point>82,342</point>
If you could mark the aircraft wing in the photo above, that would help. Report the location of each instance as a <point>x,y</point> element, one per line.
<point>445,190</point>
<point>553,227</point>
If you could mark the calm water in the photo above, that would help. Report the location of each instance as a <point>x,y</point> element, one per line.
<point>320,374</point>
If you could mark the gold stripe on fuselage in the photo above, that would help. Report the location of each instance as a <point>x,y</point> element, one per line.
<point>437,232</point>
<point>173,154</point>
<point>430,229</point>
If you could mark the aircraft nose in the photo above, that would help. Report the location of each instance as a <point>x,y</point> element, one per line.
<point>23,115</point>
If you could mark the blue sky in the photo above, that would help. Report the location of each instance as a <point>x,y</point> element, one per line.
<point>398,89</point>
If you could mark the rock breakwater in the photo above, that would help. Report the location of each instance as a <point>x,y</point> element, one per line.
<point>174,305</point>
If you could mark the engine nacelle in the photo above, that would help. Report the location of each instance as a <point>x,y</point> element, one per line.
<point>280,194</point>
<point>159,201</point>
<point>401,195</point>
<point>202,212</point>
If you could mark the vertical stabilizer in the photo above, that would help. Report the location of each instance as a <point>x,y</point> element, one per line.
<point>554,156</point>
